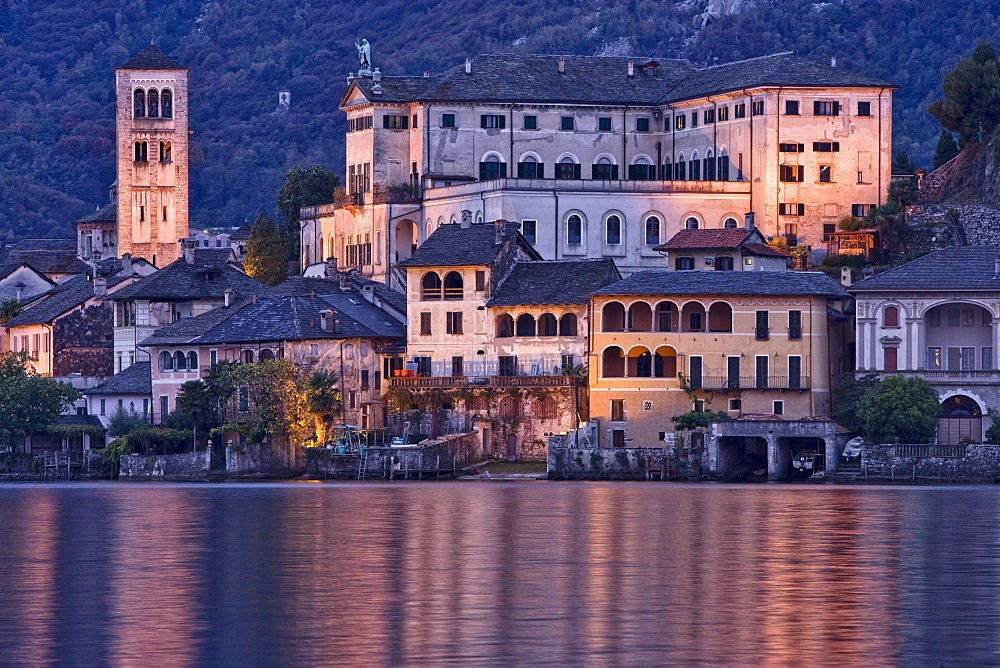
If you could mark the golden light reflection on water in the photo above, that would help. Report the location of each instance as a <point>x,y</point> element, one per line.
<point>502,573</point>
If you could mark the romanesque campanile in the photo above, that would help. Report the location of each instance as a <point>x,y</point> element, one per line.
<point>152,129</point>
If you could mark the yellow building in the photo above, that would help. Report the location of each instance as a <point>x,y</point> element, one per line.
<point>746,343</point>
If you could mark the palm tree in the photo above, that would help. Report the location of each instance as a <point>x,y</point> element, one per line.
<point>325,400</point>
<point>579,376</point>
<point>9,309</point>
<point>194,400</point>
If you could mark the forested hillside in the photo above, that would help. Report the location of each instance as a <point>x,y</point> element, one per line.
<point>56,74</point>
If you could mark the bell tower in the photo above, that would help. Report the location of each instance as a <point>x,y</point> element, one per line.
<point>152,135</point>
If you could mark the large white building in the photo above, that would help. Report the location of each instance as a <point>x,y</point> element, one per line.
<point>603,156</point>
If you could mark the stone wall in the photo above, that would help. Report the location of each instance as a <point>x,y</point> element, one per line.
<point>569,463</point>
<point>276,456</point>
<point>978,225</point>
<point>187,465</point>
<point>901,462</point>
<point>83,342</point>
<point>441,455</point>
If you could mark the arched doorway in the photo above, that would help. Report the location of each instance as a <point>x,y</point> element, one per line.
<point>961,418</point>
<point>405,239</point>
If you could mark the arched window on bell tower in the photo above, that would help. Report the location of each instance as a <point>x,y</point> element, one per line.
<point>166,103</point>
<point>165,155</point>
<point>152,103</point>
<point>139,106</point>
<point>141,151</point>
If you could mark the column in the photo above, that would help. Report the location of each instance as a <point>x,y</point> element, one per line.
<point>773,460</point>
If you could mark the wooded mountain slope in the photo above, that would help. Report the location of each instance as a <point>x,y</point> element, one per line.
<point>56,75</point>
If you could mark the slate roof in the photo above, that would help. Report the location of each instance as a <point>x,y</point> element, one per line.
<point>179,280</point>
<point>104,214</point>
<point>554,282</point>
<point>44,245</point>
<point>85,420</point>
<point>452,245</point>
<point>313,285</point>
<point>966,268</point>
<point>604,79</point>
<point>60,299</point>
<point>151,58</point>
<point>765,283</point>
<point>187,330</point>
<point>135,379</point>
<point>49,259</point>
<point>764,249</point>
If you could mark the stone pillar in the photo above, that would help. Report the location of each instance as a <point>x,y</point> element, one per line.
<point>832,456</point>
<point>773,460</point>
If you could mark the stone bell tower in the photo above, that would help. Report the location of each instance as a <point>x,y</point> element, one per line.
<point>152,135</point>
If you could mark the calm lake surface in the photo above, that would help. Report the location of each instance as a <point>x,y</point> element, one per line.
<point>496,572</point>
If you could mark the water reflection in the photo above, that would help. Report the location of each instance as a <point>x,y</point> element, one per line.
<point>511,573</point>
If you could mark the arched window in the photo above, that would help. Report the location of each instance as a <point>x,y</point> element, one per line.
<point>614,230</point>
<point>693,317</point>
<point>139,103</point>
<point>141,151</point>
<point>730,224</point>
<point>668,171</point>
<point>574,229</point>
<point>165,152</point>
<point>547,325</point>
<point>248,357</point>
<point>680,168</point>
<point>666,317</point>
<point>266,355</point>
<point>641,170</point>
<point>193,361</point>
<point>640,317</point>
<point>153,103</point>
<point>720,317</point>
<point>652,231</point>
<point>505,326</point>
<point>529,168</point>
<point>525,325</point>
<point>613,317</point>
<point>166,103</point>
<point>430,286</point>
<point>691,223</point>
<point>166,361</point>
<point>453,286</point>
<point>890,316</point>
<point>492,168</point>
<point>694,167</point>
<point>665,362</point>
<point>640,363</point>
<point>180,361</point>
<point>613,363</point>
<point>567,325</point>
<point>567,169</point>
<point>604,170</point>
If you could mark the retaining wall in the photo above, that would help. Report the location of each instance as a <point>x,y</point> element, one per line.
<point>896,462</point>
<point>187,465</point>
<point>570,463</point>
<point>447,453</point>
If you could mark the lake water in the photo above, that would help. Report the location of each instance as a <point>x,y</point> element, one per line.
<point>497,572</point>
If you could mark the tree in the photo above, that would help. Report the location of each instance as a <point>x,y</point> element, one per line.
<point>325,401</point>
<point>195,401</point>
<point>852,399</point>
<point>125,421</point>
<point>302,187</point>
<point>579,376</point>
<point>947,148</point>
<point>904,192</point>
<point>903,409</point>
<point>9,309</point>
<point>265,258</point>
<point>29,403</point>
<point>971,106</point>
<point>850,224</point>
<point>890,220</point>
<point>697,419</point>
<point>902,164</point>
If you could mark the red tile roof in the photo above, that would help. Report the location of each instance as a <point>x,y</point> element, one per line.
<point>764,249</point>
<point>686,239</point>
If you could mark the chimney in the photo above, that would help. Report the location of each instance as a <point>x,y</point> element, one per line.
<point>254,299</point>
<point>345,282</point>
<point>631,68</point>
<point>845,276</point>
<point>499,225</point>
<point>331,268</point>
<point>328,323</point>
<point>100,286</point>
<point>833,61</point>
<point>466,219</point>
<point>188,246</point>
<point>126,264</point>
<point>562,65</point>
<point>748,220</point>
<point>468,65</point>
<point>228,296</point>
<point>19,291</point>
<point>996,268</point>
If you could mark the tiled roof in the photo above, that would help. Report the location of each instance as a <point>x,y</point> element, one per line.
<point>707,239</point>
<point>207,278</point>
<point>764,249</point>
<point>964,268</point>
<point>49,261</point>
<point>60,299</point>
<point>79,420</point>
<point>44,245</point>
<point>313,285</point>
<point>766,283</point>
<point>151,58</point>
<point>187,330</point>
<point>452,245</point>
<point>559,282</point>
<point>135,379</point>
<point>104,214</point>
<point>604,79</point>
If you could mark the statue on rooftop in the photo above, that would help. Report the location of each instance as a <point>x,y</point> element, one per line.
<point>364,55</point>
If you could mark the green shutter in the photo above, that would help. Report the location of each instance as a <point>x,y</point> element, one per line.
<point>540,171</point>
<point>614,172</point>
<point>482,121</point>
<point>576,172</point>
<point>503,168</point>
<point>593,172</point>
<point>502,122</point>
<point>482,171</point>
<point>385,122</point>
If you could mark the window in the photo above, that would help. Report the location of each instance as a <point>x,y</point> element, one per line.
<point>530,168</point>
<point>492,168</point>
<point>525,325</point>
<point>567,325</point>
<point>454,322</point>
<point>568,361</point>
<point>165,152</point>
<point>547,325</point>
<point>395,122</point>
<point>365,382</point>
<point>642,124</point>
<point>358,123</point>
<point>826,108</point>
<point>791,148</point>
<point>447,120</point>
<point>423,363</point>
<point>723,161</point>
<point>618,410</point>
<point>614,230</point>
<point>730,224</point>
<point>454,286</point>
<point>709,116</point>
<point>968,359</point>
<point>425,323</point>
<point>953,317</point>
<point>762,330</point>
<point>567,169</point>
<point>431,286</point>
<point>761,367</point>
<point>528,230</point>
<point>934,358</point>
<point>604,124</point>
<point>723,114</point>
<point>825,174</point>
<point>652,231</point>
<point>735,405</point>
<point>740,110</point>
<point>757,109</point>
<point>492,121</point>
<point>792,209</point>
<point>567,123</point>
<point>694,119</point>
<point>139,103</point>
<point>684,263</point>
<point>864,108</point>
<point>826,146</point>
<point>890,316</point>
<point>603,170</point>
<point>890,359</point>
<point>694,372</point>
<point>861,210</point>
<point>986,359</point>
<point>934,318</point>
<point>166,103</point>
<point>691,223</point>
<point>794,372</point>
<point>778,408</point>
<point>530,123</point>
<point>192,361</point>
<point>153,103</point>
<point>507,365</point>
<point>791,173</point>
<point>709,170</point>
<point>641,171</point>
<point>574,229</point>
<point>968,317</point>
<point>724,263</point>
<point>680,120</point>
<point>481,280</point>
<point>505,326</point>
<point>165,405</point>
<point>794,325</point>
<point>141,151</point>
<point>457,365</point>
<point>679,169</point>
<point>828,230</point>
<point>791,107</point>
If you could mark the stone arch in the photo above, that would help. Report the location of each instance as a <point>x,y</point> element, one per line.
<point>548,325</point>
<point>567,325</point>
<point>153,103</point>
<point>505,326</point>
<point>693,317</point>
<point>665,362</point>
<point>640,317</point>
<point>640,362</point>
<point>720,317</point>
<point>454,286</point>
<point>166,103</point>
<point>525,325</point>
<point>612,362</point>
<point>138,103</point>
<point>613,317</point>
<point>430,286</point>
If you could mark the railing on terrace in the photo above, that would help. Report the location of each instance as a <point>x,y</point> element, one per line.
<point>592,185</point>
<point>529,373</point>
<point>930,450</point>
<point>986,375</point>
<point>493,381</point>
<point>395,193</point>
<point>752,383</point>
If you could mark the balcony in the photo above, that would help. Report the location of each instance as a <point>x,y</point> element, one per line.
<point>753,383</point>
<point>597,186</point>
<point>973,376</point>
<point>762,333</point>
<point>794,333</point>
<point>530,373</point>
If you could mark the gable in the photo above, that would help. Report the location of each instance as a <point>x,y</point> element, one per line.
<point>353,96</point>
